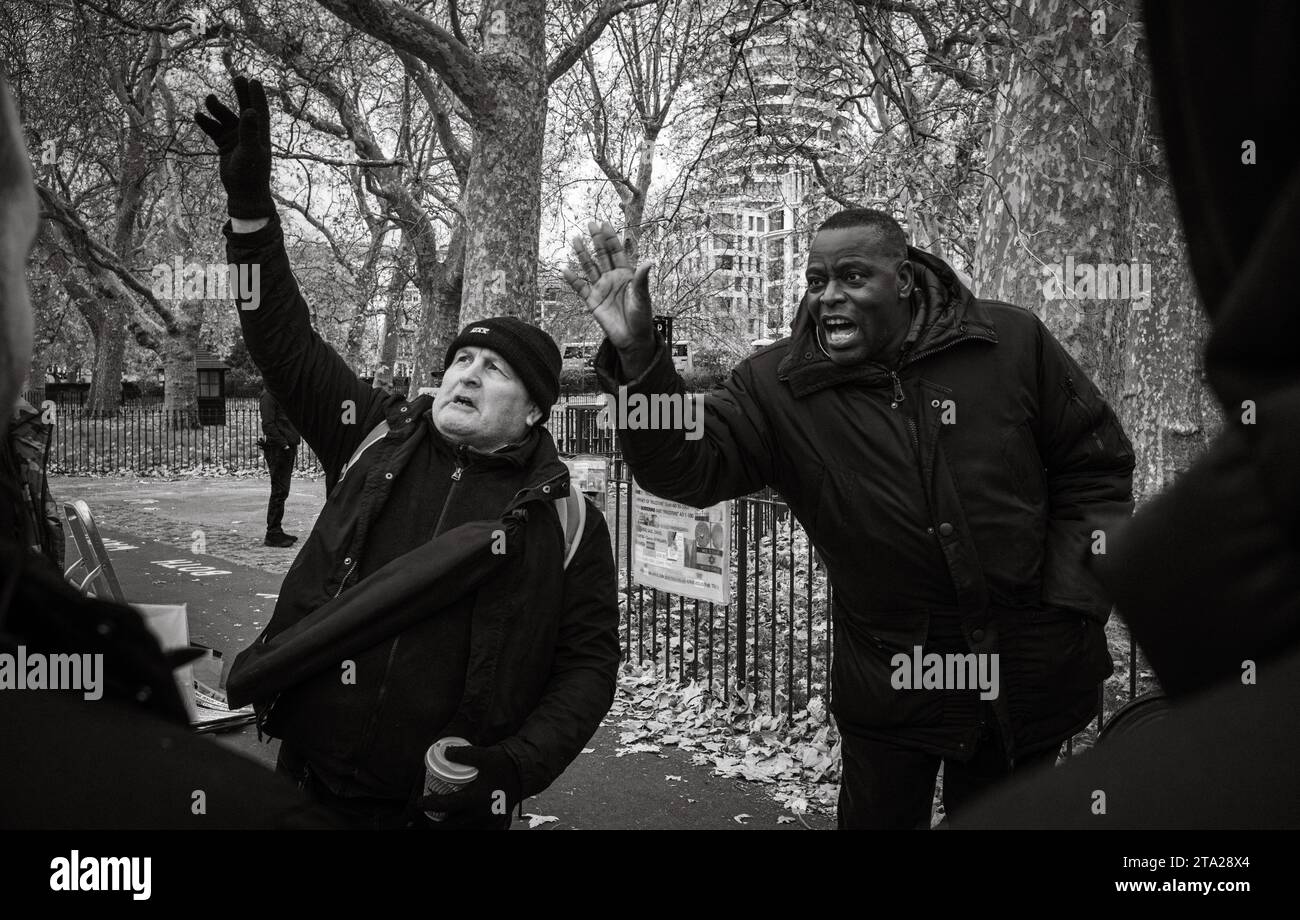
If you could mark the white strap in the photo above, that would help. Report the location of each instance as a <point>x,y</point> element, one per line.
<point>375,434</point>
<point>571,506</point>
<point>565,507</point>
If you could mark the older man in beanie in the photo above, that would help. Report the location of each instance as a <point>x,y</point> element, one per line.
<point>520,665</point>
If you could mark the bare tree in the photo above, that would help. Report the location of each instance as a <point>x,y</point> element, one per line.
<point>1079,224</point>
<point>500,81</point>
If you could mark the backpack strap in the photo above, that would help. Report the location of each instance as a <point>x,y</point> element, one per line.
<point>375,434</point>
<point>572,510</point>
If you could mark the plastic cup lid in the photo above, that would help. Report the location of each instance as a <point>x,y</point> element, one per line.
<point>436,760</point>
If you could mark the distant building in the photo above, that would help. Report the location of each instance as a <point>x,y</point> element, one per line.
<point>758,219</point>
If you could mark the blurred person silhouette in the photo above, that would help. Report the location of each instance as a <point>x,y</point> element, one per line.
<point>128,758</point>
<point>1207,574</point>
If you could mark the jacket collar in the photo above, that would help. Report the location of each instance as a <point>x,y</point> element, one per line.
<point>944,312</point>
<point>548,476</point>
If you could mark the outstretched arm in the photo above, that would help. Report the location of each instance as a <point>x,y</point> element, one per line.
<point>322,397</point>
<point>721,447</point>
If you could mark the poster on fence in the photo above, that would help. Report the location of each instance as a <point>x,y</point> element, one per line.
<point>590,475</point>
<point>681,549</point>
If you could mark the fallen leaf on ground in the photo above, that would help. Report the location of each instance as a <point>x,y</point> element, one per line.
<point>739,819</point>
<point>637,749</point>
<point>539,820</point>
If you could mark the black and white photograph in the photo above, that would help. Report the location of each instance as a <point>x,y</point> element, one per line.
<point>633,415</point>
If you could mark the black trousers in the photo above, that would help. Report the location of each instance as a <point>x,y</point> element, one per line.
<point>279,460</point>
<point>886,786</point>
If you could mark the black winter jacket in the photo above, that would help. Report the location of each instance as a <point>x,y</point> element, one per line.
<point>544,647</point>
<point>276,427</point>
<point>962,487</point>
<point>1207,574</point>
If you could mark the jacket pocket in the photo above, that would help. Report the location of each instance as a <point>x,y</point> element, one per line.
<point>874,674</point>
<point>1024,464</point>
<point>1050,653</point>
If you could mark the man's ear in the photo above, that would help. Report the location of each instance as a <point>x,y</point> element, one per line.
<point>906,279</point>
<point>534,414</point>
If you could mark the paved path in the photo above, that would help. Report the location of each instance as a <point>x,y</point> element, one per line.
<point>229,590</point>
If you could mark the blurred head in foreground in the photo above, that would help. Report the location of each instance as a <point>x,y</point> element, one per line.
<point>18,225</point>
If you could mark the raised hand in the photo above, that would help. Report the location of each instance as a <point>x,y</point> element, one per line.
<point>618,296</point>
<point>244,144</point>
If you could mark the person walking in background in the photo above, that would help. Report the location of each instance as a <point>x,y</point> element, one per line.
<point>280,446</point>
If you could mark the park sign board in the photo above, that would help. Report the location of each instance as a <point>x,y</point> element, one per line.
<point>680,549</point>
<point>589,474</point>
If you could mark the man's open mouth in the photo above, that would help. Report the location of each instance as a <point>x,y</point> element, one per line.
<point>463,401</point>
<point>838,331</point>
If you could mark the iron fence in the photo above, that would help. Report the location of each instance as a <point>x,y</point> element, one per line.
<point>142,438</point>
<point>148,439</point>
<point>772,644</point>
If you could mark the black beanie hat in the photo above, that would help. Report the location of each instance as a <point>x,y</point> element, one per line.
<point>531,352</point>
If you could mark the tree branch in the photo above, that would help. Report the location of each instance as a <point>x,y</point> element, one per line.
<point>587,36</point>
<point>457,155</point>
<point>91,252</point>
<point>406,30</point>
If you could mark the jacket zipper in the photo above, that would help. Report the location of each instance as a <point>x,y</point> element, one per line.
<point>898,390</point>
<point>368,736</point>
<point>446,502</point>
<point>933,351</point>
<point>1078,400</point>
<point>911,359</point>
<point>348,575</point>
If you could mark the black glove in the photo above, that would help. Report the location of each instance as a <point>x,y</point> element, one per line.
<point>495,792</point>
<point>244,143</point>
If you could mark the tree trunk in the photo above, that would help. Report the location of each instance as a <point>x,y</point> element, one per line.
<point>502,203</point>
<point>365,291</point>
<point>440,320</point>
<point>180,394</point>
<point>107,322</point>
<point>1167,409</point>
<point>1071,192</point>
<point>393,314</point>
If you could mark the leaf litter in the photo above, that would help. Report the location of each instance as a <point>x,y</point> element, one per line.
<point>798,758</point>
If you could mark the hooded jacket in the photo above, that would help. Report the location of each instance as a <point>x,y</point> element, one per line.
<point>953,498</point>
<point>543,649</point>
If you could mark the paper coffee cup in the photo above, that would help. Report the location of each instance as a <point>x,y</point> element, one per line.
<point>443,776</point>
